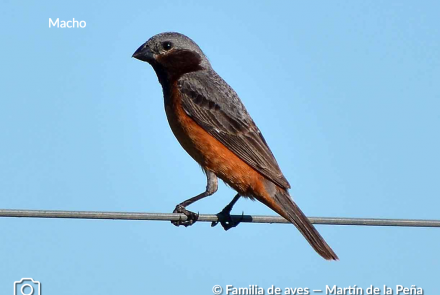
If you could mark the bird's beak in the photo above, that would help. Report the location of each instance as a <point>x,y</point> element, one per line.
<point>144,53</point>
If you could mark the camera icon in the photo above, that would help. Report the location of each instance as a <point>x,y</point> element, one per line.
<point>27,286</point>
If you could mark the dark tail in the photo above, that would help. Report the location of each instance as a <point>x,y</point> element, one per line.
<point>292,213</point>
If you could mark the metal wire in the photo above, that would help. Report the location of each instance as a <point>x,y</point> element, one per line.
<point>212,218</point>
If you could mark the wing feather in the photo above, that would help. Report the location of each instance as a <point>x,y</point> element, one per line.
<point>215,106</point>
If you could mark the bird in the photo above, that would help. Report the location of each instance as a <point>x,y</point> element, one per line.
<point>213,126</point>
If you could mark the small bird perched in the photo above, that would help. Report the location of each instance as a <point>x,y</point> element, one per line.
<point>213,126</point>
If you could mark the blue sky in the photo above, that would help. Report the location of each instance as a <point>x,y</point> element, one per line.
<point>346,93</point>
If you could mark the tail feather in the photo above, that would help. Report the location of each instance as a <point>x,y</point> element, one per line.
<point>292,213</point>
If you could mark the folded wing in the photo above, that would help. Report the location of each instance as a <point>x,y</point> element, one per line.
<point>215,106</point>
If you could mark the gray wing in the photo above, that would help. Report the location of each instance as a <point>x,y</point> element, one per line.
<point>215,106</point>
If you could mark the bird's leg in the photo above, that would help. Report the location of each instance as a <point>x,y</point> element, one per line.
<point>211,187</point>
<point>227,222</point>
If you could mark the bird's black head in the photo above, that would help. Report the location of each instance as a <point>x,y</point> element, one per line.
<point>172,55</point>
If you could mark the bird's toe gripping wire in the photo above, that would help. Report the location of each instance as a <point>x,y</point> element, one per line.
<point>191,217</point>
<point>211,187</point>
<point>225,217</point>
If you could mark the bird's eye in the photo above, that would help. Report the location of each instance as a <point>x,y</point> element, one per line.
<point>167,45</point>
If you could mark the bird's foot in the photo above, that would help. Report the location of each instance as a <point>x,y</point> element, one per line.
<point>226,219</point>
<point>191,217</point>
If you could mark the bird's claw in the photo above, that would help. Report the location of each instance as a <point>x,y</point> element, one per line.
<point>226,220</point>
<point>191,216</point>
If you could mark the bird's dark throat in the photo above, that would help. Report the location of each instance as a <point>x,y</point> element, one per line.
<point>176,63</point>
